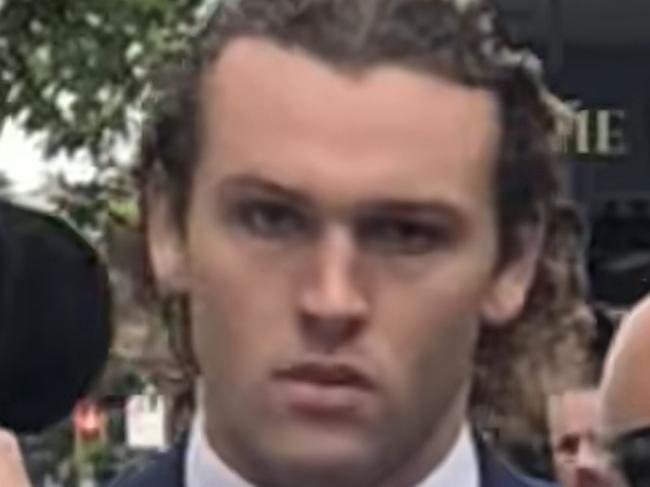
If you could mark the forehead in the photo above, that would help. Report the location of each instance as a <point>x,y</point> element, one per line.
<point>266,104</point>
<point>573,411</point>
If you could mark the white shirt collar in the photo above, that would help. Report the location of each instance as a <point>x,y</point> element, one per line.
<point>459,468</point>
<point>204,468</point>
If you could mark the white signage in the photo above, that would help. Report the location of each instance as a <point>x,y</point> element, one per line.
<point>145,422</point>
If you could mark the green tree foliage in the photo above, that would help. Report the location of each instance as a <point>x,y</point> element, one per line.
<point>78,72</point>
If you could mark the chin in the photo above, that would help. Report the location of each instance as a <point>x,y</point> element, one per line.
<point>324,459</point>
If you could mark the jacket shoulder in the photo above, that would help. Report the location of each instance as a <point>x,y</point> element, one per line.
<point>523,481</point>
<point>164,470</point>
<point>507,477</point>
<point>497,473</point>
<point>530,482</point>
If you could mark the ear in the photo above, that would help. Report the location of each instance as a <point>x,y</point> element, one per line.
<point>165,242</point>
<point>514,279</point>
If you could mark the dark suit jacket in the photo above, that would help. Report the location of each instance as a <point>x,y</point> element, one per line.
<point>167,471</point>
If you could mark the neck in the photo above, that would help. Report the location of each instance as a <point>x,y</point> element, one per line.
<point>434,452</point>
<point>421,461</point>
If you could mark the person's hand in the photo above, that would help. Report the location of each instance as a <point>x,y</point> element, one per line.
<point>12,468</point>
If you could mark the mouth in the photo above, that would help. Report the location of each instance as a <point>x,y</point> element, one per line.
<point>323,388</point>
<point>326,375</point>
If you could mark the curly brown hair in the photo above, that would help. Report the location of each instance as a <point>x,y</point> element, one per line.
<point>450,38</point>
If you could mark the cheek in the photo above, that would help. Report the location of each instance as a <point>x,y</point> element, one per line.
<point>430,326</point>
<point>239,311</point>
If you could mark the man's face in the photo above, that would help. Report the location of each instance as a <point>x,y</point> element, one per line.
<point>578,455</point>
<point>339,253</point>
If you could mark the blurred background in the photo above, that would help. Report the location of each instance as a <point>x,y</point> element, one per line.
<point>76,77</point>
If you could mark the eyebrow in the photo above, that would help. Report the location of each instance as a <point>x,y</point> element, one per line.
<point>259,185</point>
<point>413,208</point>
<point>391,206</point>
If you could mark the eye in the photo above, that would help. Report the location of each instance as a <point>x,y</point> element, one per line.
<point>569,445</point>
<point>400,235</point>
<point>270,220</point>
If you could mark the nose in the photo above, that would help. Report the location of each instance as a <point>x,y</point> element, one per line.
<point>333,306</point>
<point>591,468</point>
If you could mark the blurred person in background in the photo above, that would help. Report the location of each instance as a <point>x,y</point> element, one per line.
<point>55,328</point>
<point>625,397</point>
<point>348,201</point>
<point>578,454</point>
<point>12,468</point>
<point>579,459</point>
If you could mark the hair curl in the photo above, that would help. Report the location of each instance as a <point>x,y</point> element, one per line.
<point>442,38</point>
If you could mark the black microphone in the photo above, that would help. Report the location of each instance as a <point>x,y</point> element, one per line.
<point>55,316</point>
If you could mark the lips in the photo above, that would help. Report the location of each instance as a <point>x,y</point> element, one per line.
<point>327,375</point>
<point>324,389</point>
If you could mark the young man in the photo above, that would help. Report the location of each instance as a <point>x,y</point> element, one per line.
<point>625,398</point>
<point>348,196</point>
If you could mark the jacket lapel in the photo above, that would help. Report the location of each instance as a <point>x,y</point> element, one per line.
<point>495,473</point>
